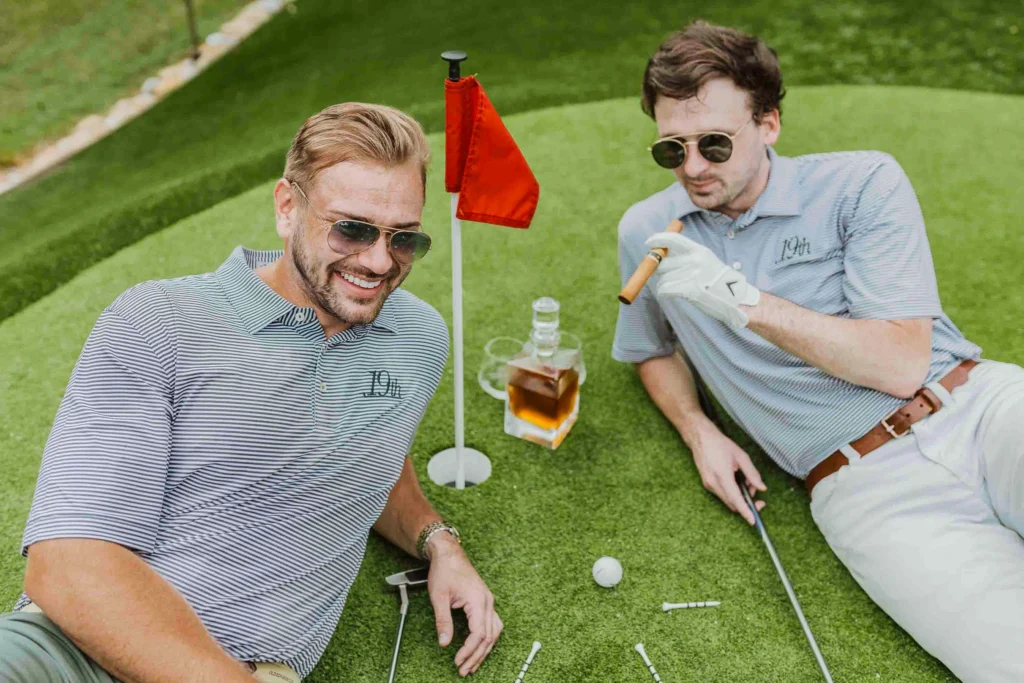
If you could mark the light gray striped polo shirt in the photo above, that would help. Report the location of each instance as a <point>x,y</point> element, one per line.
<point>211,427</point>
<point>841,234</point>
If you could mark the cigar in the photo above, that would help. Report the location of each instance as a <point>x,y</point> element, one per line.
<point>646,268</point>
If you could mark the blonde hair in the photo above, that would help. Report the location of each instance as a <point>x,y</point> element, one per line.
<point>354,131</point>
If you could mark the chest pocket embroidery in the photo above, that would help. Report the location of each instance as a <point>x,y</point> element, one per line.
<point>795,247</point>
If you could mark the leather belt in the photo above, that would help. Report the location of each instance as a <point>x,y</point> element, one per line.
<point>897,424</point>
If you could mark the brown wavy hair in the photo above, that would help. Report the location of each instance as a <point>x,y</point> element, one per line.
<point>701,52</point>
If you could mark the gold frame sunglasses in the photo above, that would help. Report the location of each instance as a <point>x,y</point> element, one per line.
<point>349,237</point>
<point>715,146</point>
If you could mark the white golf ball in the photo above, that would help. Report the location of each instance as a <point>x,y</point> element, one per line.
<point>607,571</point>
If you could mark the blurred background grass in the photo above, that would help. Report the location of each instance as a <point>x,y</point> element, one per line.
<point>228,130</point>
<point>62,60</point>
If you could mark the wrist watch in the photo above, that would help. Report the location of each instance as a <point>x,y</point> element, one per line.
<point>429,531</point>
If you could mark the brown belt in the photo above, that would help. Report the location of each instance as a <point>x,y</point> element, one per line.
<point>924,403</point>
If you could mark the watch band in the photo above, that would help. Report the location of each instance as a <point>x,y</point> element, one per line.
<point>427,533</point>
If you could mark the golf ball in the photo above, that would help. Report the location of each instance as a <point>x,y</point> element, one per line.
<point>607,571</point>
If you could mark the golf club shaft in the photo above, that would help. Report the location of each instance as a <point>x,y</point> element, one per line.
<point>398,645</point>
<point>785,582</point>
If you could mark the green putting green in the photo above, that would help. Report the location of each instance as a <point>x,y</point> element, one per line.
<point>622,484</point>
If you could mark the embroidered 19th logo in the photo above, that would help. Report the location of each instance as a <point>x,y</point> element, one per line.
<point>793,247</point>
<point>382,385</point>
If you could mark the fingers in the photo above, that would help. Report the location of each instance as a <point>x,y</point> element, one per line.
<point>441,600</point>
<point>473,650</point>
<point>753,477</point>
<point>734,498</point>
<point>672,241</point>
<point>494,627</point>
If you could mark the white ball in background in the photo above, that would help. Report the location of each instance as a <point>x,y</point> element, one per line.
<point>607,571</point>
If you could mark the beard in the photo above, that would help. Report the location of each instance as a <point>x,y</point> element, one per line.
<point>318,282</point>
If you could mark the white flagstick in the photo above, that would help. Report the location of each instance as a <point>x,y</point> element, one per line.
<point>460,436</point>
<point>639,647</point>
<point>529,661</point>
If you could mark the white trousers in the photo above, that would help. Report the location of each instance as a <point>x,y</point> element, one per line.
<point>931,524</point>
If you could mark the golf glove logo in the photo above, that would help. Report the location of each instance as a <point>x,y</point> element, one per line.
<point>693,272</point>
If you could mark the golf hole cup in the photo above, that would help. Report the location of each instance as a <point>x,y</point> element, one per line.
<point>493,374</point>
<point>607,572</point>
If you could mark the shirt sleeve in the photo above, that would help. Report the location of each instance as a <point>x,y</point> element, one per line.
<point>889,273</point>
<point>641,332</point>
<point>105,462</point>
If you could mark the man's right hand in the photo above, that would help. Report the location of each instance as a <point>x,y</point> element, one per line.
<point>718,458</point>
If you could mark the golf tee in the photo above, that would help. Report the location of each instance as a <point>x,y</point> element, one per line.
<point>667,606</point>
<point>639,647</point>
<point>529,661</point>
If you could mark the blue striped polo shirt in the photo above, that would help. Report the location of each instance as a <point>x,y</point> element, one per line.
<point>841,234</point>
<point>211,427</point>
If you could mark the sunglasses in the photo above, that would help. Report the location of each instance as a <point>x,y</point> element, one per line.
<point>716,147</point>
<point>352,237</point>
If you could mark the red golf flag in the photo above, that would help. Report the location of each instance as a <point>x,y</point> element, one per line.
<point>482,162</point>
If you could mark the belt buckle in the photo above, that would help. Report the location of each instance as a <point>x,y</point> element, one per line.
<point>892,430</point>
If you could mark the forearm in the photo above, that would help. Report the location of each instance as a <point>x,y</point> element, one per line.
<point>407,512</point>
<point>891,356</point>
<point>672,387</point>
<point>123,614</point>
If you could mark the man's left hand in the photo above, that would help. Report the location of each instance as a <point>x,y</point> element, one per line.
<point>692,271</point>
<point>454,584</point>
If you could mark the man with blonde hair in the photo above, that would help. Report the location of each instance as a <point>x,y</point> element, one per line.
<point>227,441</point>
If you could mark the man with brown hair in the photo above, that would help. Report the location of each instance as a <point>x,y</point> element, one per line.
<point>802,291</point>
<point>227,441</point>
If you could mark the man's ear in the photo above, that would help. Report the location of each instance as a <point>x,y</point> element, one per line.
<point>771,126</point>
<point>286,209</point>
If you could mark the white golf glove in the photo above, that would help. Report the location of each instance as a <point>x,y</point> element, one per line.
<point>692,271</point>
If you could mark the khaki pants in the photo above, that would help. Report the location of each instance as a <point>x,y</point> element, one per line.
<point>33,649</point>
<point>931,526</point>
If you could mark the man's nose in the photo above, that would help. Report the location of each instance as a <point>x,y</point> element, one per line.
<point>694,165</point>
<point>377,258</point>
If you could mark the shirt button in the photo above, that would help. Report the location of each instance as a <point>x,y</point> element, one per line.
<point>737,266</point>
<point>730,234</point>
<point>301,316</point>
<point>323,386</point>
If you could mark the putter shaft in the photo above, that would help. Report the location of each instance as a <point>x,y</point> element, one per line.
<point>785,582</point>
<point>401,626</point>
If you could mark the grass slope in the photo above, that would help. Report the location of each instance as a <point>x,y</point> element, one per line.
<point>228,130</point>
<point>622,484</point>
<point>61,60</point>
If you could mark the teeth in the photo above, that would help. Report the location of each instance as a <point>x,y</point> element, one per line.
<point>361,283</point>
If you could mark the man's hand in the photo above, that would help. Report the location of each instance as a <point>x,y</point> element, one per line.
<point>454,584</point>
<point>692,271</point>
<point>718,458</point>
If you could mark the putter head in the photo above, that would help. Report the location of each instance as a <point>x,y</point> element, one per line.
<point>411,578</point>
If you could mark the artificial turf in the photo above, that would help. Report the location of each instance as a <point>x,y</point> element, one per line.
<point>622,484</point>
<point>227,130</point>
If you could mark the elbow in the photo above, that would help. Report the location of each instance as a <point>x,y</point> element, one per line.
<point>906,384</point>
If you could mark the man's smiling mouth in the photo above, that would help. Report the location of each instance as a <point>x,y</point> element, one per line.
<point>365,284</point>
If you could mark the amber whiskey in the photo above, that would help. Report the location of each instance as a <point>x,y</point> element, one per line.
<point>543,383</point>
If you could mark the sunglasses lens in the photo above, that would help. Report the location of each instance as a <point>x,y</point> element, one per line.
<point>352,237</point>
<point>668,153</point>
<point>408,246</point>
<point>715,147</point>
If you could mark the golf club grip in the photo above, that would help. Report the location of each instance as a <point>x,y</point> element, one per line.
<point>646,268</point>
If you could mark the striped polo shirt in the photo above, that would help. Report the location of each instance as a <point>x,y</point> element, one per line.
<point>211,427</point>
<point>841,234</point>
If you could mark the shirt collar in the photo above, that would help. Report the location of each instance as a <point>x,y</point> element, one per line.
<point>257,305</point>
<point>779,197</point>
